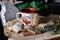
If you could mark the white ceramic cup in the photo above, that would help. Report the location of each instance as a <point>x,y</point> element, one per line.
<point>25,16</point>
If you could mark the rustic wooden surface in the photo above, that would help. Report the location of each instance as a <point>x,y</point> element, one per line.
<point>21,37</point>
<point>32,37</point>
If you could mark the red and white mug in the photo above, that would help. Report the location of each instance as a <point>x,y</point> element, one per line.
<point>26,15</point>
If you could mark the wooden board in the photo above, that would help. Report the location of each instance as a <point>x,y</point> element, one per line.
<point>21,37</point>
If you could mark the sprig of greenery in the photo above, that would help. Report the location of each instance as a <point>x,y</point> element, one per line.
<point>56,27</point>
<point>46,28</point>
<point>34,4</point>
<point>23,6</point>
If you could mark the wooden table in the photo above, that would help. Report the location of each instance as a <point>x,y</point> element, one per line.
<point>32,37</point>
<point>21,37</point>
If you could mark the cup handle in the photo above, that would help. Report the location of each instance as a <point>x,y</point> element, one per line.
<point>20,19</point>
<point>18,16</point>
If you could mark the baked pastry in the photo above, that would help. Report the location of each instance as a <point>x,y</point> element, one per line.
<point>14,26</point>
<point>17,28</point>
<point>8,24</point>
<point>14,21</point>
<point>42,25</point>
<point>35,19</point>
<point>10,29</point>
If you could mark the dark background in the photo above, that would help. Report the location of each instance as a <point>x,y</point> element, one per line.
<point>54,6</point>
<point>2,36</point>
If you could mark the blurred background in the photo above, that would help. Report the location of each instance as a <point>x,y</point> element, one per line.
<point>53,7</point>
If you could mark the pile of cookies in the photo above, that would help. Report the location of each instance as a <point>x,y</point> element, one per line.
<point>14,26</point>
<point>17,26</point>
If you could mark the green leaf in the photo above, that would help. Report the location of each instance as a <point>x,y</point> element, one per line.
<point>34,4</point>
